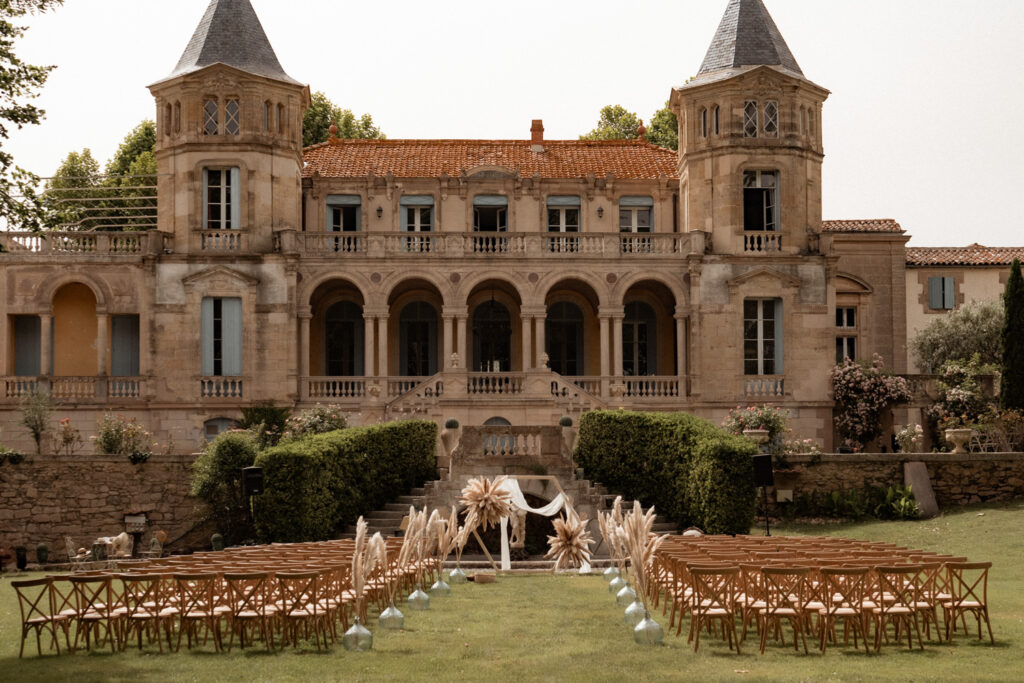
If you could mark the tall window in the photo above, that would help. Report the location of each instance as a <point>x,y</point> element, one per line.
<point>27,330</point>
<point>762,339</point>
<point>177,117</point>
<point>168,118</point>
<point>703,123</point>
<point>846,338</point>
<point>490,213</point>
<point>761,200</point>
<point>268,115</point>
<point>124,346</point>
<point>211,117</point>
<point>750,120</point>
<point>418,340</point>
<point>231,117</point>
<point>941,293</point>
<point>639,336</point>
<point>771,119</point>
<point>563,214</point>
<point>492,337</point>
<point>564,337</point>
<point>280,119</point>
<point>222,337</point>
<point>716,119</point>
<point>635,214</point>
<point>343,340</point>
<point>222,210</point>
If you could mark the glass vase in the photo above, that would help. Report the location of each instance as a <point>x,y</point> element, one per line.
<point>457,576</point>
<point>391,618</point>
<point>440,587</point>
<point>648,631</point>
<point>635,613</point>
<point>617,584</point>
<point>610,573</point>
<point>418,600</point>
<point>625,597</point>
<point>358,638</point>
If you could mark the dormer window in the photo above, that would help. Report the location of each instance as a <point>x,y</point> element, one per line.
<point>211,117</point>
<point>771,119</point>
<point>750,120</point>
<point>231,118</point>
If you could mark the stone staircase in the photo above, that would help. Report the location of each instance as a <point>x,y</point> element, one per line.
<point>388,521</point>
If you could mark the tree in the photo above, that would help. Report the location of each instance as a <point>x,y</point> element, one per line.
<point>69,197</point>
<point>664,129</point>
<point>141,140</point>
<point>317,120</point>
<point>615,123</point>
<point>1011,391</point>
<point>131,177</point>
<point>972,329</point>
<point>19,82</point>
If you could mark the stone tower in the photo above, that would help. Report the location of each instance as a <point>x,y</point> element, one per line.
<point>229,138</point>
<point>750,150</point>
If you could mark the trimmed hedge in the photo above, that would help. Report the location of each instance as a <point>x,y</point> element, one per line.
<point>317,485</point>
<point>692,471</point>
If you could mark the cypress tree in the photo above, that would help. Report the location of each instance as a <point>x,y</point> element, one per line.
<point>1011,394</point>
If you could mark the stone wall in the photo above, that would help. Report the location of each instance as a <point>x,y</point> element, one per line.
<point>956,479</point>
<point>46,498</point>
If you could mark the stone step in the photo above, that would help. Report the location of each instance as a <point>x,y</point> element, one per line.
<point>397,507</point>
<point>411,500</point>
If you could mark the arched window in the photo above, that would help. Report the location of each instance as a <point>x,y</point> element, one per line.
<point>280,118</point>
<point>492,338</point>
<point>343,340</point>
<point>563,331</point>
<point>167,119</point>
<point>639,340</point>
<point>267,115</point>
<point>716,116</point>
<point>177,117</point>
<point>703,123</point>
<point>418,340</point>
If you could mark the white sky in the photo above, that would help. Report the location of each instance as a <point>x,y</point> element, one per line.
<point>924,124</point>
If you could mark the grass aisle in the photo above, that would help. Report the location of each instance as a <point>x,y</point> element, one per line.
<point>568,628</point>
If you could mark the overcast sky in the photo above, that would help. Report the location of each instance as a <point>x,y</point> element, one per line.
<point>925,123</point>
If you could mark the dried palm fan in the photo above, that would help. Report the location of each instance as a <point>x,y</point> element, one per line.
<point>365,558</point>
<point>571,542</point>
<point>487,500</point>
<point>641,544</point>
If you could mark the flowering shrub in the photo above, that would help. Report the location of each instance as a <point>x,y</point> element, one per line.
<point>770,418</point>
<point>317,420</point>
<point>68,439</point>
<point>801,447</point>
<point>861,392</point>
<point>119,435</point>
<point>961,401</point>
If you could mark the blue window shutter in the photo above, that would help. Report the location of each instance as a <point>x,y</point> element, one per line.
<point>779,370</point>
<point>345,200</point>
<point>636,201</point>
<point>490,200</point>
<point>124,346</point>
<point>206,198</point>
<point>417,200</point>
<point>231,353</point>
<point>935,293</point>
<point>947,293</point>
<point>236,198</point>
<point>563,200</point>
<point>206,336</point>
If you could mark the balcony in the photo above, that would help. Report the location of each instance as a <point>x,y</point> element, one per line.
<point>222,241</point>
<point>221,388</point>
<point>764,386</point>
<point>50,244</point>
<point>491,245</point>
<point>760,242</point>
<point>76,389</point>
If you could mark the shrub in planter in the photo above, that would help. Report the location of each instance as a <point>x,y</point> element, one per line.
<point>315,485</point>
<point>565,421</point>
<point>217,542</point>
<point>451,423</point>
<point>119,435</point>
<point>217,481</point>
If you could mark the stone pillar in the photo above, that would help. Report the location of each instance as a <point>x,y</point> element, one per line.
<point>448,339</point>
<point>382,345</point>
<point>681,369</point>
<point>368,345</point>
<point>542,346</point>
<point>101,344</point>
<point>304,318</point>
<point>45,343</point>
<point>527,342</point>
<point>617,345</point>
<point>603,349</point>
<point>460,342</point>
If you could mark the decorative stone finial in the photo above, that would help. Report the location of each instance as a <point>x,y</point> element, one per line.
<point>334,134</point>
<point>642,130</point>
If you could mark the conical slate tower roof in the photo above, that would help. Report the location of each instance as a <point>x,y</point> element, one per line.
<point>230,33</point>
<point>748,37</point>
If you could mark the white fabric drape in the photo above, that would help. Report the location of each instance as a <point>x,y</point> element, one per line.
<point>518,500</point>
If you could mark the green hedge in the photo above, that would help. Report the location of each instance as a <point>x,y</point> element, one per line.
<point>317,485</point>
<point>693,472</point>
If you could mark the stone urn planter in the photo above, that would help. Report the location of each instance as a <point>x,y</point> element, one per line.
<point>959,438</point>
<point>759,436</point>
<point>450,435</point>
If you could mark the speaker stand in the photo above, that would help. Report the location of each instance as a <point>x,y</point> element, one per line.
<point>767,529</point>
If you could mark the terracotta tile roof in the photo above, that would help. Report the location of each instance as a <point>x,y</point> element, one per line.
<point>973,255</point>
<point>874,225</point>
<point>627,159</point>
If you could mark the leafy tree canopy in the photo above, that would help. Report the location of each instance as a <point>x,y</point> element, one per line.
<point>140,141</point>
<point>19,82</point>
<point>317,120</point>
<point>618,123</point>
<point>971,330</point>
<point>1011,392</point>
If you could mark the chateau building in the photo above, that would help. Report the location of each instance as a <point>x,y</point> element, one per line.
<point>493,281</point>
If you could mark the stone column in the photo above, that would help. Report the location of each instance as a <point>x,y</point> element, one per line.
<point>382,345</point>
<point>368,345</point>
<point>542,346</point>
<point>101,344</point>
<point>45,344</point>
<point>681,369</point>
<point>460,342</point>
<point>448,339</point>
<point>603,349</point>
<point>527,342</point>
<point>304,318</point>
<point>617,345</point>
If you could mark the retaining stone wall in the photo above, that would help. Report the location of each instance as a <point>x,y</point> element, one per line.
<point>46,498</point>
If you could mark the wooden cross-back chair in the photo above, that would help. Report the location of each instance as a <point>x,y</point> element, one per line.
<point>968,584</point>
<point>95,617</point>
<point>38,612</point>
<point>715,597</point>
<point>197,608</point>
<point>896,597</point>
<point>784,589</point>
<point>252,610</point>
<point>300,605</point>
<point>147,609</point>
<point>843,590</point>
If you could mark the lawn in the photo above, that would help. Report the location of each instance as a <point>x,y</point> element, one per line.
<point>569,628</point>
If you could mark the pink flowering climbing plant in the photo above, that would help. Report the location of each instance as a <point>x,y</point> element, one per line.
<point>862,391</point>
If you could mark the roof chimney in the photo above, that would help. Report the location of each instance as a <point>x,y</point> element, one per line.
<point>537,136</point>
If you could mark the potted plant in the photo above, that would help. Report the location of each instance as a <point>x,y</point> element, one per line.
<point>42,553</point>
<point>450,435</point>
